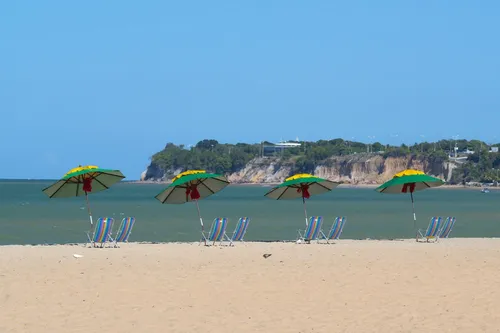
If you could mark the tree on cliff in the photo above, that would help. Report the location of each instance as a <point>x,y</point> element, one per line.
<point>207,144</point>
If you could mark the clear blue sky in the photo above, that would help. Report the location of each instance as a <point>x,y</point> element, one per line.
<point>110,82</point>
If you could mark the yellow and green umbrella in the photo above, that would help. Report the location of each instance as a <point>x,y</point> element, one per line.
<point>302,185</point>
<point>192,185</point>
<point>409,181</point>
<point>82,181</point>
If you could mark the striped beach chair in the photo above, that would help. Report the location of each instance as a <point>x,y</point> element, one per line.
<point>313,230</point>
<point>336,229</point>
<point>217,231</point>
<point>240,230</point>
<point>102,231</point>
<point>447,227</point>
<point>124,230</point>
<point>432,232</point>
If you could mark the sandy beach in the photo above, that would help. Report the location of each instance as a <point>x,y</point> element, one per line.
<point>350,286</point>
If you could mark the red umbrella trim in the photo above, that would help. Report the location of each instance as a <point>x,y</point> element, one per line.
<point>192,191</point>
<point>305,191</point>
<point>87,184</point>
<point>408,186</point>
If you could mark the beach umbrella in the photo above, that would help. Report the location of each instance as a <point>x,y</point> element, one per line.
<point>82,181</point>
<point>409,181</point>
<point>192,185</point>
<point>302,185</point>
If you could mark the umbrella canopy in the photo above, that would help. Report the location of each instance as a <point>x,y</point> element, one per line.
<point>409,181</point>
<point>302,185</point>
<point>192,185</point>
<point>82,181</point>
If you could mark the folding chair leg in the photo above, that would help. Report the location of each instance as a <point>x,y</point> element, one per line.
<point>203,239</point>
<point>419,234</point>
<point>324,236</point>
<point>89,239</point>
<point>299,236</point>
<point>228,239</point>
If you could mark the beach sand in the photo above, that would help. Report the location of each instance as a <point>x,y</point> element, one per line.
<point>350,286</point>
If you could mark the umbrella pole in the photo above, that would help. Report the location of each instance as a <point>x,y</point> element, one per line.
<point>88,208</point>
<point>201,220</point>
<point>414,216</point>
<point>90,216</point>
<point>305,210</point>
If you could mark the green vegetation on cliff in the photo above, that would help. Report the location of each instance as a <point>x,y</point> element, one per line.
<point>207,154</point>
<point>482,166</point>
<point>226,158</point>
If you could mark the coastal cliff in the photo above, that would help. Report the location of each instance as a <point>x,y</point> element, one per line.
<point>353,169</point>
<point>361,168</point>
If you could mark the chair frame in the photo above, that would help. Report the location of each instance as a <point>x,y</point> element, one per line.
<point>115,240</point>
<point>222,236</point>
<point>424,235</point>
<point>444,224</point>
<point>316,235</point>
<point>107,239</point>
<point>343,221</point>
<point>247,221</point>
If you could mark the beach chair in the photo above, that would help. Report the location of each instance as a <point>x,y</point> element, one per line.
<point>102,231</point>
<point>313,230</point>
<point>217,232</point>
<point>124,230</point>
<point>336,229</point>
<point>447,227</point>
<point>432,232</point>
<point>240,230</point>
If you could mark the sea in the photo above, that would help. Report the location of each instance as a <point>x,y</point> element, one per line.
<point>28,216</point>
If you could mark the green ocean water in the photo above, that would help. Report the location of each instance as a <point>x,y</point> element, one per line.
<point>27,216</point>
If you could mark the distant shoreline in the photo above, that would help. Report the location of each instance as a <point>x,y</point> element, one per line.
<point>346,185</point>
<point>343,185</point>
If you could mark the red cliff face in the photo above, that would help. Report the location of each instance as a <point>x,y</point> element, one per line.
<point>377,169</point>
<point>352,169</point>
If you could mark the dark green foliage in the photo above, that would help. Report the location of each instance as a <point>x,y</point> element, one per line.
<point>482,166</point>
<point>304,165</point>
<point>207,154</point>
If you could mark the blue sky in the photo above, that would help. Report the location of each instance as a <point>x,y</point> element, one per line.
<point>110,82</point>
